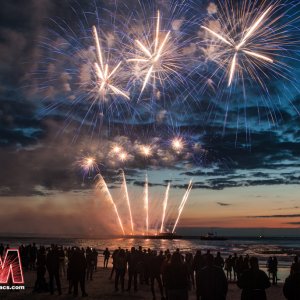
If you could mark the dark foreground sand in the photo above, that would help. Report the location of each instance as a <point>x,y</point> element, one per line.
<point>102,288</point>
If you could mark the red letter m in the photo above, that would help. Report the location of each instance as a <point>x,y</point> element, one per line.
<point>11,267</point>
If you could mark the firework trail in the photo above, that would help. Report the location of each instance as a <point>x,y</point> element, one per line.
<point>165,204</point>
<point>182,204</point>
<point>101,184</point>
<point>146,204</point>
<point>128,201</point>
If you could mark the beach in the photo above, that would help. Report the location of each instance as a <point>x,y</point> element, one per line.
<point>103,288</point>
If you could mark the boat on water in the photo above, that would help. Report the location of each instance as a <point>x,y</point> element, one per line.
<point>210,236</point>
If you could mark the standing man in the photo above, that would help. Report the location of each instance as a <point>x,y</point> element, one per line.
<point>77,271</point>
<point>132,269</point>
<point>95,257</point>
<point>106,254</point>
<point>52,263</point>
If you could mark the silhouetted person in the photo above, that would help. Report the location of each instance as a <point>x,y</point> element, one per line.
<point>239,265</point>
<point>1,250</point>
<point>95,258</point>
<point>120,267</point>
<point>52,263</point>
<point>61,255</point>
<point>245,263</point>
<point>132,269</point>
<point>140,264</point>
<point>234,266</point>
<point>189,261</point>
<point>228,267</point>
<point>106,255</point>
<point>90,263</point>
<point>212,283</point>
<point>155,274</point>
<point>269,266</point>
<point>32,256</point>
<point>219,261</point>
<point>23,256</point>
<point>295,265</point>
<point>40,283</point>
<point>165,263</point>
<point>176,278</point>
<point>77,269</point>
<point>206,255</point>
<point>291,287</point>
<point>274,270</point>
<point>114,256</point>
<point>198,264</point>
<point>147,262</point>
<point>253,282</point>
<point>69,269</point>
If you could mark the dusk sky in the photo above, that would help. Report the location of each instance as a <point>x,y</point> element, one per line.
<point>240,143</point>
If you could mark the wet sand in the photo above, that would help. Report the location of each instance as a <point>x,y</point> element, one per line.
<point>102,288</point>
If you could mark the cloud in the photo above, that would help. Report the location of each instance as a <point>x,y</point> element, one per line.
<point>276,216</point>
<point>223,204</point>
<point>142,183</point>
<point>285,208</point>
<point>293,223</point>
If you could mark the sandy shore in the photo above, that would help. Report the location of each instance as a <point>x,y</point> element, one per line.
<point>102,288</point>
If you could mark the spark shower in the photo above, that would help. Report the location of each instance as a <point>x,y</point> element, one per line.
<point>149,227</point>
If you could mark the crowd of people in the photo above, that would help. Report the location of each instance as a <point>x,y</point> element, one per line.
<point>175,274</point>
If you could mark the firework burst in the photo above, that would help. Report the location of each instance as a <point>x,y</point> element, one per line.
<point>123,156</point>
<point>155,50</point>
<point>88,165</point>
<point>146,150</point>
<point>154,54</point>
<point>249,41</point>
<point>105,76</point>
<point>81,74</point>
<point>177,144</point>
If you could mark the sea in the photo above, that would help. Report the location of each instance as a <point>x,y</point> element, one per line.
<point>283,248</point>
